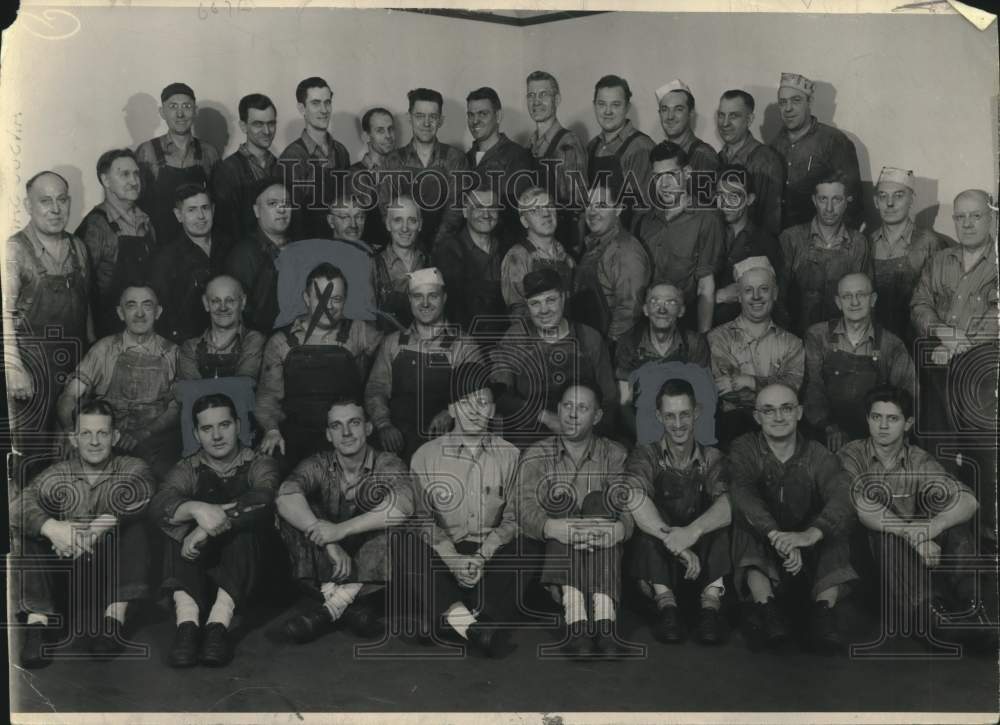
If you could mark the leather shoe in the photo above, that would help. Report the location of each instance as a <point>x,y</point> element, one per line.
<point>606,643</point>
<point>486,638</point>
<point>31,648</point>
<point>216,649</point>
<point>362,620</point>
<point>773,621</point>
<point>667,626</point>
<point>710,626</point>
<point>184,650</point>
<point>577,640</point>
<point>111,640</point>
<point>307,626</point>
<point>823,629</point>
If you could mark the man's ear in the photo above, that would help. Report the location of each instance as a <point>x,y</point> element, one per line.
<point>873,299</point>
<point>368,428</point>
<point>120,311</point>
<point>329,435</point>
<point>697,411</point>
<point>204,303</point>
<point>751,198</point>
<point>598,416</point>
<point>74,439</point>
<point>243,126</point>
<point>301,107</point>
<point>163,114</point>
<point>452,410</point>
<point>159,311</point>
<point>499,117</point>
<point>177,215</point>
<point>115,437</point>
<point>908,425</point>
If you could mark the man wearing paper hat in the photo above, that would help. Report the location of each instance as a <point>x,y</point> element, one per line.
<point>407,392</point>
<point>676,107</point>
<point>172,159</point>
<point>900,249</point>
<point>811,150</point>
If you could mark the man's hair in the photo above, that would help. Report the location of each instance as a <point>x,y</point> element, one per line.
<point>890,394</point>
<point>735,93</point>
<point>587,382</point>
<point>612,81</point>
<point>262,185</point>
<point>366,119</point>
<point>426,94</point>
<point>40,174</point>
<point>239,285</point>
<point>832,177</point>
<point>96,406</point>
<point>302,89</point>
<point>485,94</point>
<point>737,172</point>
<point>256,101</point>
<point>138,283</point>
<point>348,399</point>
<point>481,188</point>
<point>108,158</point>
<point>325,270</point>
<point>541,75</point>
<point>688,98</point>
<point>212,400</point>
<point>675,388</point>
<point>185,191</point>
<point>666,150</point>
<point>529,195</point>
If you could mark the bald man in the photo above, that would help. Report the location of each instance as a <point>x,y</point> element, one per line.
<point>792,516</point>
<point>45,285</point>
<point>845,358</point>
<point>227,348</point>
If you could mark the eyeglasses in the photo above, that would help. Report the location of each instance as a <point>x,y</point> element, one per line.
<point>974,216</point>
<point>770,411</point>
<point>657,303</point>
<point>855,296</point>
<point>185,106</point>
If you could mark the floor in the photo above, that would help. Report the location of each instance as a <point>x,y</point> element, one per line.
<point>333,675</point>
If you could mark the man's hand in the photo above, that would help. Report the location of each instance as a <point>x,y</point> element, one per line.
<point>730,293</point>
<point>441,423</point>
<point>930,552</point>
<point>341,561</point>
<point>793,562</point>
<point>551,421</point>
<point>272,440</point>
<point>679,538</point>
<point>724,384</point>
<point>787,541</point>
<point>132,438</point>
<point>835,438</point>
<point>212,518</point>
<point>744,382</point>
<point>60,533</point>
<point>692,565</point>
<point>19,381</point>
<point>391,439</point>
<point>191,546</point>
<point>468,569</point>
<point>324,532</point>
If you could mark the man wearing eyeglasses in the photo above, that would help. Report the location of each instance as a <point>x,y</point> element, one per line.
<point>560,157</point>
<point>752,352</point>
<point>845,358</point>
<point>792,517</point>
<point>174,158</point>
<point>425,169</point>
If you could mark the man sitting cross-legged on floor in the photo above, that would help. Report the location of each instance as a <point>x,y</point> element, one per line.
<point>214,507</point>
<point>334,509</point>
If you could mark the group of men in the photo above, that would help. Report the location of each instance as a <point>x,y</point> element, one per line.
<point>580,366</point>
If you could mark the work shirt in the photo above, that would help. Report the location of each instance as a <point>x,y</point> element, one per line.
<point>914,486</point>
<point>819,494</point>
<point>362,342</point>
<point>250,343</point>
<point>253,262</point>
<point>946,294</point>
<point>685,249</point>
<point>637,169</point>
<point>233,184</point>
<point>551,485</point>
<point>102,241</point>
<point>471,277</point>
<point>180,272</point>
<point>766,169</point>
<point>568,161</point>
<point>648,461</point>
<point>20,266</point>
<point>434,192</point>
<point>469,492</point>
<point>893,361</point>
<point>321,479</point>
<point>752,241</point>
<point>310,172</point>
<point>813,268</point>
<point>701,156</point>
<point>175,156</point>
<point>777,356</point>
<point>635,349</point>
<point>98,365</point>
<point>522,258</point>
<point>64,492</point>
<point>181,486</point>
<point>378,391</point>
<point>820,151</point>
<point>620,265</point>
<point>390,272</point>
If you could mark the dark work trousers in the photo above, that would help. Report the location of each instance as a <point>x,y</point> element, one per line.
<point>651,561</point>
<point>592,572</point>
<point>117,571</point>
<point>229,561</point>
<point>427,588</point>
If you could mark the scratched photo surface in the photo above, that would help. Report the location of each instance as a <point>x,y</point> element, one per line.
<point>370,362</point>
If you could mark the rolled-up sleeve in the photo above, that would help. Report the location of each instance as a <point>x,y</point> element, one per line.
<point>923,311</point>
<point>271,384</point>
<point>531,485</point>
<point>835,486</point>
<point>178,487</point>
<point>379,387</point>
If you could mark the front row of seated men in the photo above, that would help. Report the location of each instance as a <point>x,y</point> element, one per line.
<point>459,534</point>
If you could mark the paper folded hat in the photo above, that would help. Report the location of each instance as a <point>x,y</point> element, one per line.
<point>427,275</point>
<point>744,266</point>
<point>674,85</point>
<point>896,176</point>
<point>794,80</point>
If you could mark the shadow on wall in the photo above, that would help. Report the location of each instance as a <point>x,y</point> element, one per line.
<point>142,117</point>
<point>212,124</point>
<point>79,205</point>
<point>926,193</point>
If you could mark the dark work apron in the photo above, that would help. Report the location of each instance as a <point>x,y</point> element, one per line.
<point>848,378</point>
<point>60,301</point>
<point>562,362</point>
<point>420,390</point>
<point>895,280</point>
<point>137,388</point>
<point>680,496</point>
<point>132,263</point>
<point>816,275</point>
<point>315,375</point>
<point>611,167</point>
<point>567,219</point>
<point>168,179</point>
<point>218,364</point>
<point>393,304</point>
<point>588,303</point>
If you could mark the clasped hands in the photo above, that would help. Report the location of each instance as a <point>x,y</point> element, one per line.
<point>789,545</point>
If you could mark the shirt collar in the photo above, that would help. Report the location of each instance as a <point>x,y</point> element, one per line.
<point>741,152</point>
<point>902,458</point>
<point>501,141</point>
<point>542,142</point>
<point>740,323</point>
<point>241,457</point>
<point>133,217</point>
<point>245,150</point>
<point>454,442</point>
<point>621,134</point>
<point>392,258</point>
<point>840,328</point>
<point>813,124</point>
<point>311,145</point>
<point>601,240</point>
<point>128,341</point>
<point>467,239</point>
<point>906,235</point>
<point>842,236</point>
<point>367,465</point>
<point>697,454</point>
<point>686,140</point>
<point>562,451</point>
<point>76,470</point>
<point>646,341</point>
